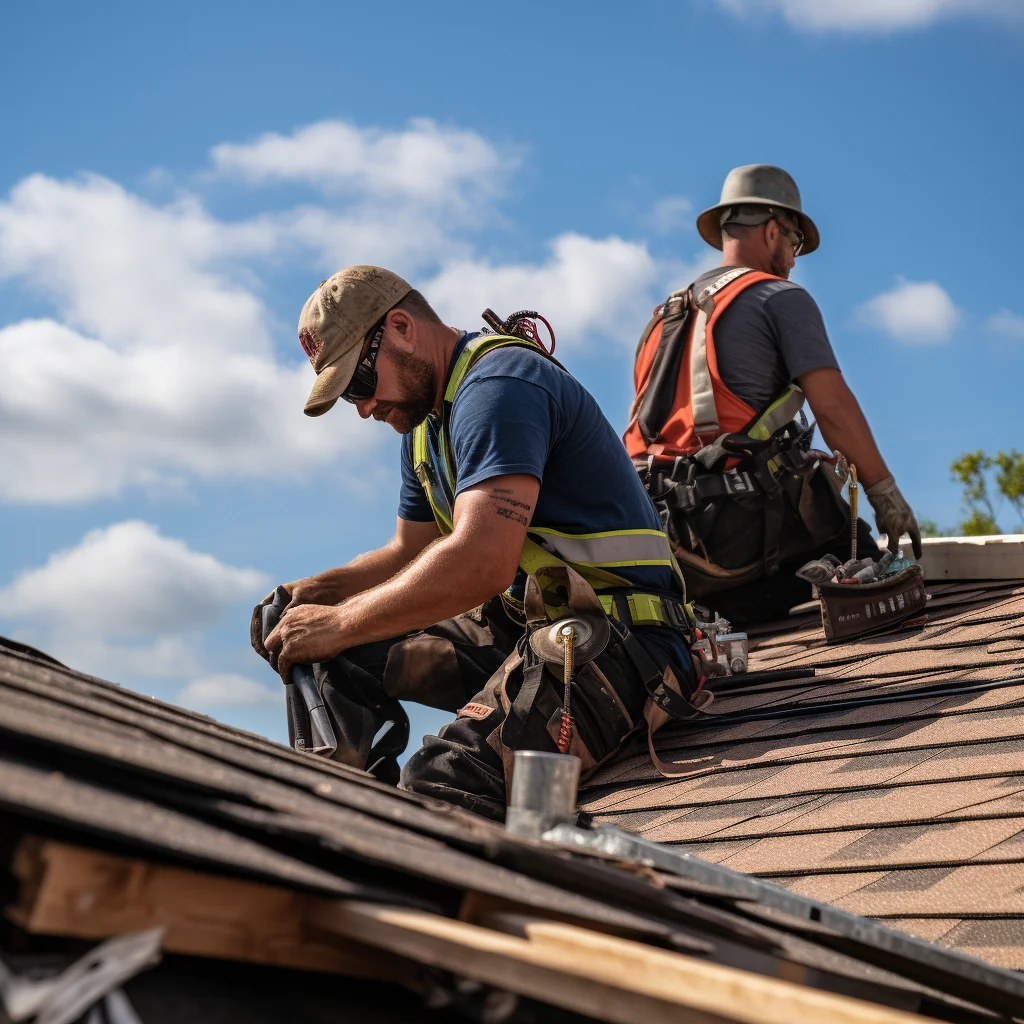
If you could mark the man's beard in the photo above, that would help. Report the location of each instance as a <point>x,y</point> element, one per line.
<point>780,267</point>
<point>417,380</point>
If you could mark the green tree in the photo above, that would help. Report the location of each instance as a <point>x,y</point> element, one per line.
<point>929,528</point>
<point>1010,479</point>
<point>973,470</point>
<point>979,524</point>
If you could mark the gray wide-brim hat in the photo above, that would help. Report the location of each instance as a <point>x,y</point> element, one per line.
<point>758,185</point>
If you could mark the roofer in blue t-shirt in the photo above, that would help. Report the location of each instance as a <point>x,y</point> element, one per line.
<point>519,507</point>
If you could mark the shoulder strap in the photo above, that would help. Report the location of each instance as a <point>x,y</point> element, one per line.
<point>422,457</point>
<point>656,318</point>
<point>477,349</point>
<point>702,394</point>
<point>654,406</point>
<point>470,355</point>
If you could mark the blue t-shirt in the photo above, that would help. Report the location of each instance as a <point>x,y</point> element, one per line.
<point>518,412</point>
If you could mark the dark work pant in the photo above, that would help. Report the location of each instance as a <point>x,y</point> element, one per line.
<point>455,666</point>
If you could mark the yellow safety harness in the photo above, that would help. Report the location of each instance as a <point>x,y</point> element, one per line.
<point>593,555</point>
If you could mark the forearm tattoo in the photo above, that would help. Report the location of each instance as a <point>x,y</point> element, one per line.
<point>516,517</point>
<point>509,505</point>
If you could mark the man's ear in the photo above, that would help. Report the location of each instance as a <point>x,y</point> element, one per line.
<point>402,329</point>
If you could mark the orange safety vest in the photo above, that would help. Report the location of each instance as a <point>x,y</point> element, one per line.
<point>703,408</point>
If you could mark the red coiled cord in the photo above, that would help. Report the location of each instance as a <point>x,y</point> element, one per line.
<point>524,323</point>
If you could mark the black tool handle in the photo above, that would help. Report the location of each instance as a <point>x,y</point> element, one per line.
<point>300,730</point>
<point>493,321</point>
<point>324,741</point>
<point>300,733</point>
<point>272,612</point>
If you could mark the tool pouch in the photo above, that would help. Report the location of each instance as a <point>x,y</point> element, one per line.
<point>850,610</point>
<point>617,690</point>
<point>530,681</point>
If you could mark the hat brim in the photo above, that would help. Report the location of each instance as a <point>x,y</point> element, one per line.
<point>710,229</point>
<point>331,382</point>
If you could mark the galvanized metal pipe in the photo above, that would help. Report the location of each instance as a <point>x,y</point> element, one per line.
<point>543,792</point>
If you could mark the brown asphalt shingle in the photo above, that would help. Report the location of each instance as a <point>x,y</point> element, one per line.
<point>910,810</point>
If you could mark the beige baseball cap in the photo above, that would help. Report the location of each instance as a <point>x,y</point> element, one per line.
<point>335,321</point>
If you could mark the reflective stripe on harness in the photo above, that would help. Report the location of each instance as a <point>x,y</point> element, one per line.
<point>702,393</point>
<point>610,549</point>
<point>780,411</point>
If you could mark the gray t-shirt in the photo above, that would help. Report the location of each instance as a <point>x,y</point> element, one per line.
<point>771,333</point>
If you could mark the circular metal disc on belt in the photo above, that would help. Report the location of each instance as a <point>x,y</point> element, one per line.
<point>592,635</point>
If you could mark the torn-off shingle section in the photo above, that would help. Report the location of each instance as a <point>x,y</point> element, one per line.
<point>903,800</point>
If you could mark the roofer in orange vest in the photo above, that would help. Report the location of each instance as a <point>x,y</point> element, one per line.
<point>717,429</point>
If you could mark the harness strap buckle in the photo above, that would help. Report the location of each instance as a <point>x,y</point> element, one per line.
<point>673,305</point>
<point>681,496</point>
<point>738,482</point>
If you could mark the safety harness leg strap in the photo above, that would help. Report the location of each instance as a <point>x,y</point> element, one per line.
<point>671,701</point>
<point>515,722</point>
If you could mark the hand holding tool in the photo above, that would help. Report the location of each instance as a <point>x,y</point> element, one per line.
<point>309,727</point>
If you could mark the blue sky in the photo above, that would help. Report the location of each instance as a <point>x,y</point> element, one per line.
<point>174,182</point>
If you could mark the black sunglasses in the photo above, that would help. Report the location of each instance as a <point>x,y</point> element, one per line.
<point>794,236</point>
<point>363,384</point>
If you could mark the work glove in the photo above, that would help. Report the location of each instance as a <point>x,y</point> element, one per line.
<point>893,515</point>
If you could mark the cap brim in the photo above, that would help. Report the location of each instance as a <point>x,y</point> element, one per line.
<point>331,382</point>
<point>710,229</point>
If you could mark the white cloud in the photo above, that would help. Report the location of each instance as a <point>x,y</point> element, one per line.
<point>163,370</point>
<point>408,238</point>
<point>671,214</point>
<point>586,287</point>
<point>1011,325</point>
<point>917,312</point>
<point>131,605</point>
<point>424,162</point>
<point>128,581</point>
<point>118,268</point>
<point>228,690</point>
<point>81,419</point>
<point>154,362</point>
<point>146,658</point>
<point>869,15</point>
